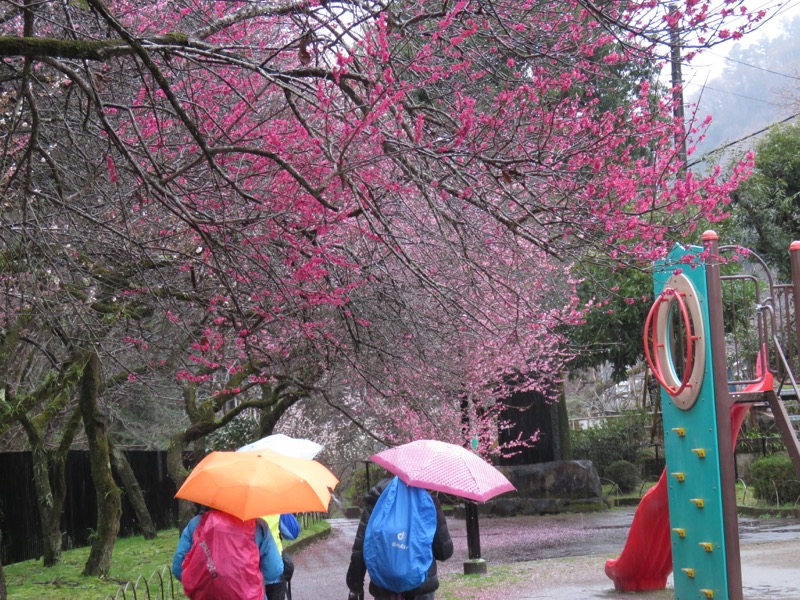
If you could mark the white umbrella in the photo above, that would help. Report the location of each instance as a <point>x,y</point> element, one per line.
<point>286,445</point>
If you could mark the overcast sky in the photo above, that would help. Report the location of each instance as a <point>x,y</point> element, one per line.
<point>712,61</point>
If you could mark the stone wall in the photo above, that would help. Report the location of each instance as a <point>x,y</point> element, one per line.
<point>552,487</point>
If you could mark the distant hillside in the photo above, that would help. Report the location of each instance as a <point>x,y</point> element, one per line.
<point>758,86</point>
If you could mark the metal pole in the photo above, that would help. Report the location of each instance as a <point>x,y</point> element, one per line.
<point>473,531</point>
<point>723,403</point>
<point>794,257</point>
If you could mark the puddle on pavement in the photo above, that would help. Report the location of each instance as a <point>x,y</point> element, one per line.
<point>759,531</point>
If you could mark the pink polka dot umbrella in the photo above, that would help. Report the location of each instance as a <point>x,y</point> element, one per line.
<point>443,467</point>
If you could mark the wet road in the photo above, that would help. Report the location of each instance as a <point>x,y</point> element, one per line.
<point>562,556</point>
<point>320,569</point>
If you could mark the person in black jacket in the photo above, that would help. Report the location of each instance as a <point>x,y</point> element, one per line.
<point>442,550</point>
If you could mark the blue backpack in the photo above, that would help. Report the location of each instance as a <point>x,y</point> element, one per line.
<point>398,541</point>
<point>289,526</point>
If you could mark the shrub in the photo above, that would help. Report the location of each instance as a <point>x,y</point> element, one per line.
<point>616,439</point>
<point>241,430</point>
<point>624,474</point>
<point>357,486</point>
<point>773,478</point>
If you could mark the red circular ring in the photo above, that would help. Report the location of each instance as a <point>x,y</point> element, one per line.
<point>666,296</point>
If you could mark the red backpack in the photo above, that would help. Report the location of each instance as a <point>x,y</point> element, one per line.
<point>223,561</point>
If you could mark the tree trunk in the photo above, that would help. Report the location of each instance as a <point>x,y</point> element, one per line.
<point>177,446</point>
<point>50,485</point>
<point>178,473</point>
<point>109,497</point>
<point>204,419</point>
<point>49,503</point>
<point>276,402</point>
<point>134,493</point>
<point>51,397</point>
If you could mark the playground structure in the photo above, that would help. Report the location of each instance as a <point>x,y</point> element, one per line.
<point>715,355</point>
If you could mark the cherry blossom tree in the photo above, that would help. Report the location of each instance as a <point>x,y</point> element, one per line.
<point>373,203</point>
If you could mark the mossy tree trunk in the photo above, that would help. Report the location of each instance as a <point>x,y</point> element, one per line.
<point>134,493</point>
<point>109,497</point>
<point>178,472</point>
<point>178,445</point>
<point>50,485</point>
<point>50,499</point>
<point>50,398</point>
<point>276,402</point>
<point>209,414</point>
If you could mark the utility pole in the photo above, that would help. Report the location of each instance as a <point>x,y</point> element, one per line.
<point>677,89</point>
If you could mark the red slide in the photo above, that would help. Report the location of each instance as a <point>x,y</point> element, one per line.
<point>646,559</point>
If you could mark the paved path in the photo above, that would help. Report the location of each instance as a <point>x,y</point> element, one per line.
<point>562,556</point>
<point>320,569</point>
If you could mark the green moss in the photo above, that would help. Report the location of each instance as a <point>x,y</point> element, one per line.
<point>176,38</point>
<point>38,47</point>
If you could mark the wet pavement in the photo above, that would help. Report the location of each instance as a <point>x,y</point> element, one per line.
<point>320,569</point>
<point>562,556</point>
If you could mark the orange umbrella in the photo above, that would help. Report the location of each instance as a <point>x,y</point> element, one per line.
<point>251,484</point>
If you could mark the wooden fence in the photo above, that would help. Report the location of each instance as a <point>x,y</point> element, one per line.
<point>19,519</point>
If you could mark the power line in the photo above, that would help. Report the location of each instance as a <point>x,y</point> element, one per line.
<point>782,10</point>
<point>740,62</point>
<point>785,7</point>
<point>742,139</point>
<point>708,87</point>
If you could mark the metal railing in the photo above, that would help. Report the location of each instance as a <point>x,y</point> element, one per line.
<point>159,586</point>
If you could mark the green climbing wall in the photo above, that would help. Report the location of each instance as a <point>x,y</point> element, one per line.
<point>692,454</point>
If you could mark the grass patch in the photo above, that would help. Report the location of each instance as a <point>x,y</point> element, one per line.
<point>312,530</point>
<point>455,586</point>
<point>745,497</point>
<point>134,558</point>
<point>613,493</point>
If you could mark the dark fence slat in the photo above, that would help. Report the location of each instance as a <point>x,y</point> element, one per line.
<point>22,532</point>
<point>19,520</point>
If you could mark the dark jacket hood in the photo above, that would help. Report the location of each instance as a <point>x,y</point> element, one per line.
<point>374,493</point>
